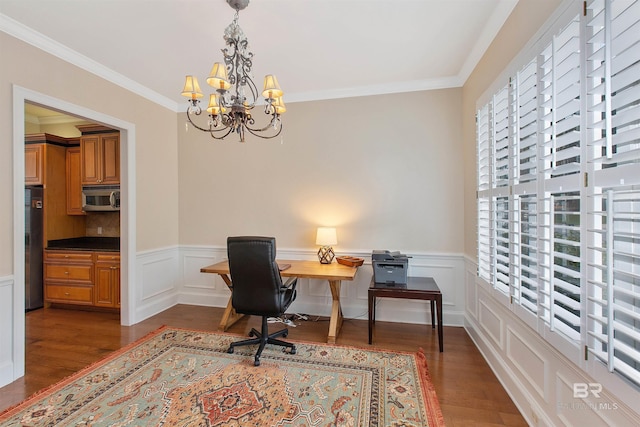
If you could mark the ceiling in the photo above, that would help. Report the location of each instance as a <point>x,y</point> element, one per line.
<point>318,49</point>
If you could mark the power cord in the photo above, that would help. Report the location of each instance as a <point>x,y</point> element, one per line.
<point>286,321</point>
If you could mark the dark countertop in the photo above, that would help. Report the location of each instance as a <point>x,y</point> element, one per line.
<point>107,244</point>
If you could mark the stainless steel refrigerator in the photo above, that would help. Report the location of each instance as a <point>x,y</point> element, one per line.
<point>33,224</point>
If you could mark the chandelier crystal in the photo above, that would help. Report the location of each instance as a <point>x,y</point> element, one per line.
<point>229,109</point>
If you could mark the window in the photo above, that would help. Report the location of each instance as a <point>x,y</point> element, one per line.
<point>559,187</point>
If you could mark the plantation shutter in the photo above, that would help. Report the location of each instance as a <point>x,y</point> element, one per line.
<point>484,186</point>
<point>613,105</point>
<point>525,135</point>
<point>527,123</point>
<point>560,90</point>
<point>502,155</point>
<point>559,194</point>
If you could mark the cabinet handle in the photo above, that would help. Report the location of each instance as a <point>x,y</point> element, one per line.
<point>66,272</point>
<point>67,293</point>
<point>113,268</point>
<point>66,256</point>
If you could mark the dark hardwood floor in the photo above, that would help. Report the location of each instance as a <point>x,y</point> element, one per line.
<point>61,342</point>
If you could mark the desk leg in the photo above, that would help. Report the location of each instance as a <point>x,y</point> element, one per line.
<point>335,323</point>
<point>372,314</point>
<point>440,332</point>
<point>229,317</point>
<point>433,315</point>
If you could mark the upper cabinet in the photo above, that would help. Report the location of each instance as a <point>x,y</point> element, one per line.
<point>74,186</point>
<point>34,164</point>
<point>46,165</point>
<point>100,159</point>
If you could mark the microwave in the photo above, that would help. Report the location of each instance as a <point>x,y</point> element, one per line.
<point>101,198</point>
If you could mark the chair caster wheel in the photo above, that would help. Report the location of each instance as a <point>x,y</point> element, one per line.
<point>256,362</point>
<point>230,350</point>
<point>293,350</point>
<point>251,334</point>
<point>285,334</point>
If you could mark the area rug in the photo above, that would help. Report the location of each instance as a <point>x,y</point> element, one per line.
<point>179,377</point>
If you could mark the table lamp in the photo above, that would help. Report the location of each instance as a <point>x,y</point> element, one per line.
<point>326,237</point>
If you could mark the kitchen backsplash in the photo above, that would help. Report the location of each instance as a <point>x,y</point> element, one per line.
<point>109,221</point>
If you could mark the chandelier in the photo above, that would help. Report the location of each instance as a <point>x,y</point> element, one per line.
<point>236,93</point>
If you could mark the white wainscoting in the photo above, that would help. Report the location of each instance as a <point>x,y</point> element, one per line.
<point>314,296</point>
<point>538,378</point>
<point>158,275</point>
<point>6,330</point>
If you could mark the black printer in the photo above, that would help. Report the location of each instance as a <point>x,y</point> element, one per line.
<point>389,267</point>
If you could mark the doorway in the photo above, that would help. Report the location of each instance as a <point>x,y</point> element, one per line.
<point>60,224</point>
<point>16,340</point>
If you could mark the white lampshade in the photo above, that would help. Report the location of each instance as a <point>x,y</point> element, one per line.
<point>278,105</point>
<point>271,87</point>
<point>191,88</point>
<point>218,77</point>
<point>215,107</point>
<point>326,236</point>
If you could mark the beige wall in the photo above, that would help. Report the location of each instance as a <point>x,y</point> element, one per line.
<point>385,170</point>
<point>156,151</point>
<point>525,20</point>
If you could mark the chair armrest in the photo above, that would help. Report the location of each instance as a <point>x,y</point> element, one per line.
<point>291,282</point>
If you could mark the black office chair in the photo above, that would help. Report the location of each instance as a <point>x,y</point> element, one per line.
<point>257,288</point>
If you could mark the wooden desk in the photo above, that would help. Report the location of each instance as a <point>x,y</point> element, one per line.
<point>333,272</point>
<point>424,288</point>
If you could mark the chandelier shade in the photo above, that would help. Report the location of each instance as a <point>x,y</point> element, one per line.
<point>192,88</point>
<point>278,104</point>
<point>219,79</point>
<point>236,94</point>
<point>271,87</point>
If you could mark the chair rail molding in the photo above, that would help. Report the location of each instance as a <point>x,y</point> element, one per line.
<point>314,296</point>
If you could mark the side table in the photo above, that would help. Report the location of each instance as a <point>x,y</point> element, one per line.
<point>424,288</point>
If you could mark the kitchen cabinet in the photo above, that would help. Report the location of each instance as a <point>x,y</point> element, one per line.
<point>45,165</point>
<point>74,182</point>
<point>88,278</point>
<point>68,277</point>
<point>107,286</point>
<point>34,164</point>
<point>100,159</point>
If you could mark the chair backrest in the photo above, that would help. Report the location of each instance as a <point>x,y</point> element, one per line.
<point>256,280</point>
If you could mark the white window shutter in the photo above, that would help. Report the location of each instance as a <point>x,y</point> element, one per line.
<point>613,122</point>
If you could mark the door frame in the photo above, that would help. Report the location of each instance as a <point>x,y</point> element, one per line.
<point>127,211</point>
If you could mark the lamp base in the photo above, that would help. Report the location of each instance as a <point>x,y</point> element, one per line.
<point>326,255</point>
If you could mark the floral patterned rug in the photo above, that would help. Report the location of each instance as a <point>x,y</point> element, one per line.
<point>179,377</point>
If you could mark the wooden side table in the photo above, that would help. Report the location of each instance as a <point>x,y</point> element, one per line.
<point>424,288</point>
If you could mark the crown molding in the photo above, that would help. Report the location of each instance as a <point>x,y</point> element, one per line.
<point>39,40</point>
<point>490,31</point>
<point>47,44</point>
<point>386,89</point>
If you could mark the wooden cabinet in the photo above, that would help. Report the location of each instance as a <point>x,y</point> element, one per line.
<point>34,164</point>
<point>82,278</point>
<point>74,183</point>
<point>107,286</point>
<point>45,164</point>
<point>68,277</point>
<point>100,159</point>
